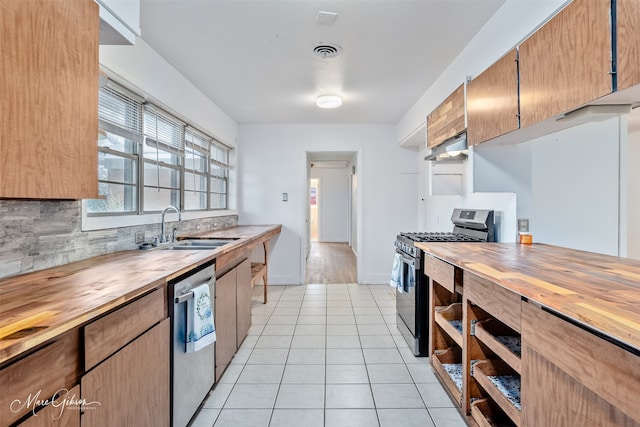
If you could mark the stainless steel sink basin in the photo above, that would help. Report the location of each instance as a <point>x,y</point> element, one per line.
<point>197,244</point>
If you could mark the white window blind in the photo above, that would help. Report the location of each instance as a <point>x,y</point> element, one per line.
<point>149,159</point>
<point>120,121</point>
<point>219,176</point>
<point>197,147</point>
<point>167,131</point>
<point>116,106</point>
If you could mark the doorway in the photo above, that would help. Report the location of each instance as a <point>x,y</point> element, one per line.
<point>331,217</point>
<point>314,232</point>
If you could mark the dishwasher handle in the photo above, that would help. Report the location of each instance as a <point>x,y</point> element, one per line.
<point>183,298</point>
<point>189,295</point>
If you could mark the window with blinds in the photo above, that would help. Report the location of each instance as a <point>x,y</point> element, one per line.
<point>120,122</point>
<point>196,170</point>
<point>219,176</point>
<point>149,159</point>
<point>163,154</point>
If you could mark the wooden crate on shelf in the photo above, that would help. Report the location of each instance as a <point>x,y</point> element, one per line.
<point>487,414</point>
<point>445,318</point>
<point>490,331</point>
<point>448,357</point>
<point>496,368</point>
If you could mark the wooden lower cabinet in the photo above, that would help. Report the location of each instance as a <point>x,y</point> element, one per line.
<point>130,388</point>
<point>572,377</point>
<point>243,300</point>
<point>64,412</point>
<point>232,313</point>
<point>225,320</point>
<point>41,375</point>
<point>565,375</point>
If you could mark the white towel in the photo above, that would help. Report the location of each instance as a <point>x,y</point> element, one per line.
<point>396,271</point>
<point>200,328</point>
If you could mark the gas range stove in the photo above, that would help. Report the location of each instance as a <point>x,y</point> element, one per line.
<point>469,225</point>
<point>412,297</point>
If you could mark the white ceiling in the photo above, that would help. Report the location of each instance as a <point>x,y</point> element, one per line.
<point>254,59</point>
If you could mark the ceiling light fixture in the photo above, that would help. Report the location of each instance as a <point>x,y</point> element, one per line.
<point>328,101</point>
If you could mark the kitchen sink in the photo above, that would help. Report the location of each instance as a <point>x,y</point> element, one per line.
<point>198,244</point>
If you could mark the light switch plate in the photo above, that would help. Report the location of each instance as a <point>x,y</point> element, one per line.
<point>139,237</point>
<point>523,225</point>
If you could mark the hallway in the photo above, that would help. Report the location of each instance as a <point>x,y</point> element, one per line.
<point>331,263</point>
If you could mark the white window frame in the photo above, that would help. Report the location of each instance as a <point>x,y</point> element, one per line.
<point>142,216</point>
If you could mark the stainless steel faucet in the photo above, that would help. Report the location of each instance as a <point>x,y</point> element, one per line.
<point>163,237</point>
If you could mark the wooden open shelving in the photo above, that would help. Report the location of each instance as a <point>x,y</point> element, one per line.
<point>487,414</point>
<point>447,327</point>
<point>450,320</point>
<point>487,370</point>
<point>494,335</point>
<point>443,363</point>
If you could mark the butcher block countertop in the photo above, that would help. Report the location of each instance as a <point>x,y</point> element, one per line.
<point>36,307</point>
<point>601,292</point>
<point>248,233</point>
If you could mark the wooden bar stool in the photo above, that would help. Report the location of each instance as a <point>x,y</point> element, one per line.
<point>259,270</point>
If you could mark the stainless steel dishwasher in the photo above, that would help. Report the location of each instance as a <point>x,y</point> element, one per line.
<point>192,374</point>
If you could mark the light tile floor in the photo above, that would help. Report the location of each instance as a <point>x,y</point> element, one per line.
<point>327,355</point>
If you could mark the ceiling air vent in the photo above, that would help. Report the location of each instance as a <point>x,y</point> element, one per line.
<point>327,50</point>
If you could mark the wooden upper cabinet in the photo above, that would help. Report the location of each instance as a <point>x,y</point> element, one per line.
<point>447,120</point>
<point>492,101</point>
<point>567,62</point>
<point>48,99</point>
<point>628,41</point>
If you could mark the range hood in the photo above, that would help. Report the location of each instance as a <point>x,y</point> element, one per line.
<point>452,150</point>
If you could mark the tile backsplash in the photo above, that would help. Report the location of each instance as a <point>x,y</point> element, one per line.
<point>37,234</point>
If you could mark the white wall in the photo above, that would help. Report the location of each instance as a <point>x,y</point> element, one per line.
<point>567,184</point>
<point>505,168</point>
<point>575,185</point>
<point>354,214</point>
<point>272,161</point>
<point>333,215</point>
<point>633,189</point>
<point>439,209</point>
<point>145,69</point>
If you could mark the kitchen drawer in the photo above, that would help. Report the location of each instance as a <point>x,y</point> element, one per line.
<point>65,412</point>
<point>486,414</point>
<point>450,320</point>
<point>110,333</point>
<point>490,373</point>
<point>447,275</point>
<point>607,370</point>
<point>501,303</point>
<point>448,366</point>
<point>37,376</point>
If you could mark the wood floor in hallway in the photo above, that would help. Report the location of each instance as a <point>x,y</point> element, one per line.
<point>331,263</point>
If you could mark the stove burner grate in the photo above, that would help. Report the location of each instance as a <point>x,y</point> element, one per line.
<point>440,237</point>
